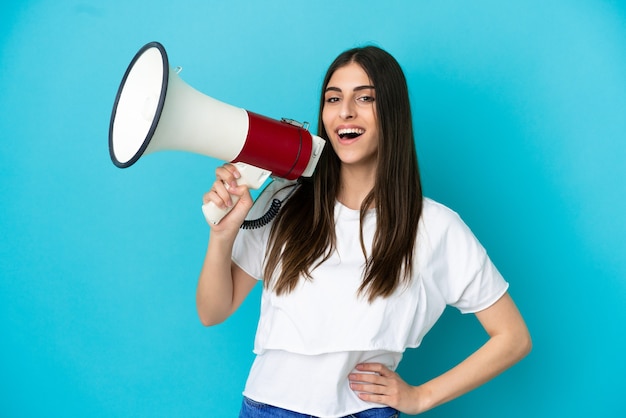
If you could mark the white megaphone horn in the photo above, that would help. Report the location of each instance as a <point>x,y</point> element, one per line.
<point>156,110</point>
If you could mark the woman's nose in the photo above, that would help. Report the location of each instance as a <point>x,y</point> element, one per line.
<point>347,110</point>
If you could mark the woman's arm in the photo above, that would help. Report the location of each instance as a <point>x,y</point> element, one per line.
<point>222,285</point>
<point>509,341</point>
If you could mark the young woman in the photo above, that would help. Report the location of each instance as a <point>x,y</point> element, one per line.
<point>356,267</point>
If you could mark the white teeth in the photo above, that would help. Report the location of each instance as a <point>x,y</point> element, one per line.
<point>348,131</point>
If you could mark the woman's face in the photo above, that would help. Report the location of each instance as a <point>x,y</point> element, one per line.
<point>349,116</point>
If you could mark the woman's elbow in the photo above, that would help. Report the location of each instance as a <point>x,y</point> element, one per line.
<point>526,344</point>
<point>209,318</point>
<point>209,321</point>
<point>522,345</point>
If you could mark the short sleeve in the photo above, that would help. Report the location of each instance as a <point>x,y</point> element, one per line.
<point>460,266</point>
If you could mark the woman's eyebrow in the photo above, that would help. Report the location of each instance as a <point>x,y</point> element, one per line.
<point>358,88</point>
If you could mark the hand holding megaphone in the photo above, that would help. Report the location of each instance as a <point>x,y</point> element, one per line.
<point>250,176</point>
<point>156,110</point>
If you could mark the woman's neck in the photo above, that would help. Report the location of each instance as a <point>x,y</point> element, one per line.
<point>356,184</point>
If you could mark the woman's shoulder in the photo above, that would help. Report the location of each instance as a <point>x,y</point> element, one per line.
<point>436,212</point>
<point>439,221</point>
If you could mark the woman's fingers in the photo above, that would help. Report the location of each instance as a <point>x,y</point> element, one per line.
<point>374,382</point>
<point>218,194</point>
<point>370,377</point>
<point>224,185</point>
<point>228,174</point>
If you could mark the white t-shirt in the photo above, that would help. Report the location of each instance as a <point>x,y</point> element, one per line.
<point>309,340</point>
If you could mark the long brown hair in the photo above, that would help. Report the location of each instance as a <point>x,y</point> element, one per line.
<point>303,234</point>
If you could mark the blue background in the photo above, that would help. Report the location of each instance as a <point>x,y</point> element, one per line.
<point>520,116</point>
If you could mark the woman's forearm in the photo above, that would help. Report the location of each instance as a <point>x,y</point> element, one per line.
<point>495,356</point>
<point>214,294</point>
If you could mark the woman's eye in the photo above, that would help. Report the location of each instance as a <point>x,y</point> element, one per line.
<point>365,99</point>
<point>332,99</point>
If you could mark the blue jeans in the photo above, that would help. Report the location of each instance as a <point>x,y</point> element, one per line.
<point>254,409</point>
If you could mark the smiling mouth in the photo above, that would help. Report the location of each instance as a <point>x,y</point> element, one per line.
<point>350,133</point>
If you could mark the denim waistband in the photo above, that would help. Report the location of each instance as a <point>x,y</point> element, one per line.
<point>253,409</point>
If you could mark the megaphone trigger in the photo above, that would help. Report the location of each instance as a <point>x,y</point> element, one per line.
<point>251,176</point>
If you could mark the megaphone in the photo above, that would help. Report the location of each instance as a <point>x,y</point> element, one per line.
<point>156,110</point>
